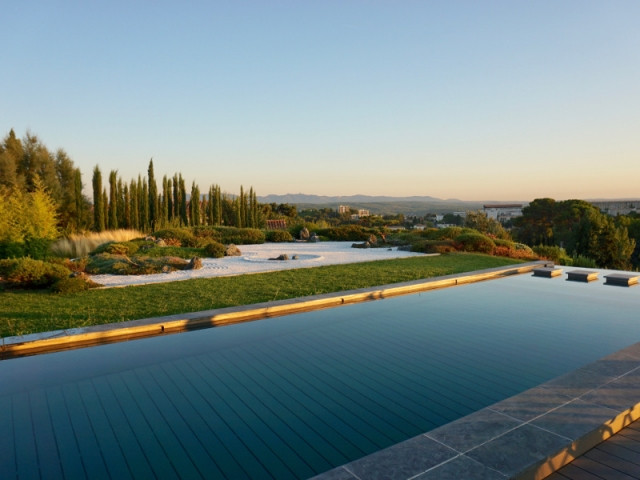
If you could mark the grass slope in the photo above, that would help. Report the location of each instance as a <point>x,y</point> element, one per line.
<point>23,312</point>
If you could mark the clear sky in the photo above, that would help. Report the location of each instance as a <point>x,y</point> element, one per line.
<point>476,100</point>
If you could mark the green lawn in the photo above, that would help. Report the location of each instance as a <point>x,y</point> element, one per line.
<point>23,312</point>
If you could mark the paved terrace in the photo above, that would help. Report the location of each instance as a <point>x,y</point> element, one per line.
<point>530,435</point>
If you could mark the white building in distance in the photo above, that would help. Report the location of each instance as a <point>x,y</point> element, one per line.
<point>503,212</point>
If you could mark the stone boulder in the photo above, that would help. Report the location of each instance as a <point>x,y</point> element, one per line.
<point>304,234</point>
<point>361,245</point>
<point>161,243</point>
<point>314,238</point>
<point>232,251</point>
<point>372,239</point>
<point>194,264</point>
<point>282,257</point>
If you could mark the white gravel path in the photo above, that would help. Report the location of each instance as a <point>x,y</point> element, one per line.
<point>255,259</point>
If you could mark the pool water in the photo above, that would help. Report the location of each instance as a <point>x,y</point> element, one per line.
<point>294,396</point>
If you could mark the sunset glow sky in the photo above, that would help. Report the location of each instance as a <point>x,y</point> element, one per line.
<point>475,100</point>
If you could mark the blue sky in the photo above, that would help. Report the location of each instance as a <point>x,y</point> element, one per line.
<point>476,100</point>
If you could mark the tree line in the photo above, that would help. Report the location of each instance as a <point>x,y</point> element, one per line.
<point>581,229</point>
<point>27,166</point>
<point>141,205</point>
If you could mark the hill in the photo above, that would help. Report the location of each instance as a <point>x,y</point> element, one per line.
<point>381,205</point>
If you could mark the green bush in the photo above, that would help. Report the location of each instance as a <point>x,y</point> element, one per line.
<point>240,236</point>
<point>29,273</point>
<point>475,242</point>
<point>433,246</point>
<point>36,248</point>
<point>582,261</point>
<point>278,236</point>
<point>182,235</point>
<point>346,233</point>
<point>11,249</point>
<point>551,252</point>
<point>214,249</point>
<point>118,248</point>
<point>504,243</point>
<point>73,285</point>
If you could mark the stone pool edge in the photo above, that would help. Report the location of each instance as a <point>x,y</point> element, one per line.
<point>44,342</point>
<point>527,436</point>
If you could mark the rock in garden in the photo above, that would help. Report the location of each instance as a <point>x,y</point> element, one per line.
<point>161,243</point>
<point>232,251</point>
<point>372,239</point>
<point>284,256</point>
<point>314,238</point>
<point>304,234</point>
<point>194,264</point>
<point>361,245</point>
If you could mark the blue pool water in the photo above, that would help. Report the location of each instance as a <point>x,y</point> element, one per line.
<point>294,396</point>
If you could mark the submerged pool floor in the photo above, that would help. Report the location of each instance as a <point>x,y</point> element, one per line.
<point>294,396</point>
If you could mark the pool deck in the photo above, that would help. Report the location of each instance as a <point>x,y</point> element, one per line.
<point>528,436</point>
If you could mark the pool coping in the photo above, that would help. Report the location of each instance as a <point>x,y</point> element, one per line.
<point>31,344</point>
<point>527,436</point>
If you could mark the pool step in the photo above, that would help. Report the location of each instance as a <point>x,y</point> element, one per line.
<point>547,272</point>
<point>582,275</point>
<point>621,279</point>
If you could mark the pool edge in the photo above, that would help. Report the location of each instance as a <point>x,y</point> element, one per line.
<point>45,342</point>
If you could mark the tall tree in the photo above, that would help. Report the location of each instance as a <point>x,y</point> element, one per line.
<point>194,205</point>
<point>80,201</point>
<point>166,197</point>
<point>113,200</point>
<point>154,213</point>
<point>183,201</point>
<point>98,207</point>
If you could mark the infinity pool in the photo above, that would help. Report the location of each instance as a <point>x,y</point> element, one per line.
<point>294,396</point>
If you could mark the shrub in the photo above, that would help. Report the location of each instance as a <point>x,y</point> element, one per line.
<point>182,235</point>
<point>73,285</point>
<point>114,248</point>
<point>346,233</point>
<point>551,252</point>
<point>278,236</point>
<point>433,246</point>
<point>29,273</point>
<point>240,236</point>
<point>582,261</point>
<point>214,249</point>
<point>475,242</point>
<point>504,243</point>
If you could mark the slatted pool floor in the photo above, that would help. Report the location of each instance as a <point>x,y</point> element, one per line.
<point>294,396</point>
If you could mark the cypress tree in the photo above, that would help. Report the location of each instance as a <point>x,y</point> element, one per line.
<point>194,205</point>
<point>154,213</point>
<point>169,199</point>
<point>105,206</point>
<point>113,200</point>
<point>98,207</point>
<point>79,199</point>
<point>176,197</point>
<point>218,210</point>
<point>183,202</point>
<point>127,207</point>
<point>166,197</point>
<point>145,207</point>
<point>135,210</point>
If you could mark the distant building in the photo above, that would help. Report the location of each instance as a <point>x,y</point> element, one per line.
<point>503,212</point>
<point>344,209</point>
<point>276,224</point>
<point>419,226</point>
<point>618,207</point>
<point>363,213</point>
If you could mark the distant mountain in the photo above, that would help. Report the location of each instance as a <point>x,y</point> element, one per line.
<point>412,205</point>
